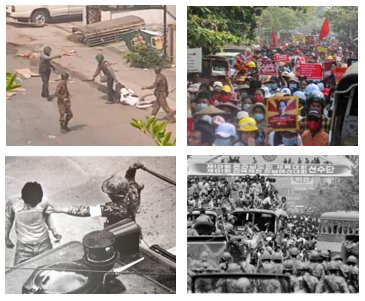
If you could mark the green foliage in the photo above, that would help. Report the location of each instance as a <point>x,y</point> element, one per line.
<point>11,83</point>
<point>147,57</point>
<point>213,27</point>
<point>343,21</point>
<point>155,129</point>
<point>278,18</point>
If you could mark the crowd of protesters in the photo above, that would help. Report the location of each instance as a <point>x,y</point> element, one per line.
<point>232,111</point>
<point>250,248</point>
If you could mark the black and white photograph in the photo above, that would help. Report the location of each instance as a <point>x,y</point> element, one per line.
<point>273,224</point>
<point>90,225</point>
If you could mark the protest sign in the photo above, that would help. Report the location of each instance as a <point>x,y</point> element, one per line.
<point>282,113</point>
<point>194,61</point>
<point>282,58</point>
<point>309,40</point>
<point>339,72</point>
<point>267,67</point>
<point>299,39</point>
<point>322,50</point>
<point>327,67</point>
<point>311,71</point>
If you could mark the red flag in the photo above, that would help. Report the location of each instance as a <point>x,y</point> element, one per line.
<point>324,30</point>
<point>274,39</point>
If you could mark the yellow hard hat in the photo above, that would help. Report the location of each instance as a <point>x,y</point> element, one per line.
<point>330,57</point>
<point>251,64</point>
<point>247,124</point>
<point>226,89</point>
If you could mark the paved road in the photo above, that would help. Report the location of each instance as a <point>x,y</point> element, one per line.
<point>77,180</point>
<point>32,120</point>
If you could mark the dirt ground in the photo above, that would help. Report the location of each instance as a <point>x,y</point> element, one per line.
<point>70,181</point>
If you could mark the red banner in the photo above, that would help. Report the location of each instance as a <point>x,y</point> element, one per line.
<point>282,58</point>
<point>311,71</point>
<point>339,72</point>
<point>267,67</point>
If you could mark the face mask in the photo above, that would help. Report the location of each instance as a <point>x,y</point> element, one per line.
<point>222,142</point>
<point>272,86</point>
<point>225,98</point>
<point>200,107</point>
<point>259,98</point>
<point>293,87</point>
<point>313,126</point>
<point>258,116</point>
<point>290,141</point>
<point>246,106</point>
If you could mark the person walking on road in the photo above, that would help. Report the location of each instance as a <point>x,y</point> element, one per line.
<point>161,92</point>
<point>64,103</point>
<point>104,66</point>
<point>45,67</point>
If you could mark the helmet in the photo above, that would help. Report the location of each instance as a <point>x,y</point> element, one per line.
<point>158,69</point>
<point>226,89</point>
<point>325,254</point>
<point>117,184</point>
<point>47,50</point>
<point>311,88</point>
<point>266,256</point>
<point>337,257</point>
<point>333,265</point>
<point>247,124</point>
<point>286,91</point>
<point>226,256</point>
<point>99,57</point>
<point>288,266</point>
<point>314,255</point>
<point>300,94</point>
<point>277,257</point>
<point>251,64</point>
<point>316,97</point>
<point>302,266</point>
<point>293,252</point>
<point>352,259</point>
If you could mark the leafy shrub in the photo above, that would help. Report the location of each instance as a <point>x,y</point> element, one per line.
<point>147,57</point>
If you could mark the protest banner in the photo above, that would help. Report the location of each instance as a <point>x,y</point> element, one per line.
<point>282,113</point>
<point>267,68</point>
<point>322,50</point>
<point>282,58</point>
<point>339,72</point>
<point>299,39</point>
<point>327,67</point>
<point>311,71</point>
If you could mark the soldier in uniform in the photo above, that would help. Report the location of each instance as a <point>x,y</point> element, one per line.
<point>325,259</point>
<point>305,283</point>
<point>161,92</point>
<point>64,103</point>
<point>124,193</point>
<point>353,274</point>
<point>315,267</point>
<point>104,66</point>
<point>333,282</point>
<point>45,67</point>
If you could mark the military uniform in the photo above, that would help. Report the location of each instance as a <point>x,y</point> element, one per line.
<point>126,193</point>
<point>161,92</point>
<point>64,104</point>
<point>45,67</point>
<point>104,67</point>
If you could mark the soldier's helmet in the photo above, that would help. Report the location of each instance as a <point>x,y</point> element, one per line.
<point>266,256</point>
<point>99,57</point>
<point>288,266</point>
<point>302,266</point>
<point>226,256</point>
<point>325,254</point>
<point>277,258</point>
<point>47,50</point>
<point>158,69</point>
<point>117,185</point>
<point>352,259</point>
<point>333,266</point>
<point>314,255</point>
<point>337,258</point>
<point>293,251</point>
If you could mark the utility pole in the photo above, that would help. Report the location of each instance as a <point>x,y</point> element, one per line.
<point>164,30</point>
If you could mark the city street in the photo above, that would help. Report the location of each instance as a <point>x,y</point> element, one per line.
<point>31,120</point>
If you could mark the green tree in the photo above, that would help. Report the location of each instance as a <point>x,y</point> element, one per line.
<point>212,27</point>
<point>343,21</point>
<point>278,18</point>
